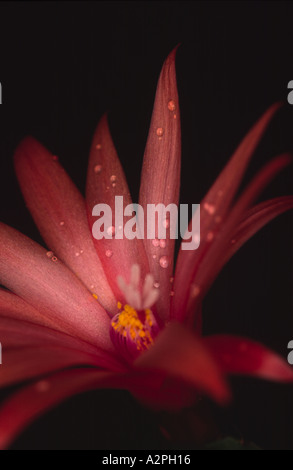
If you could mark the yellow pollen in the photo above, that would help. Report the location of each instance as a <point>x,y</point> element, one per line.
<point>128,324</point>
<point>95,296</point>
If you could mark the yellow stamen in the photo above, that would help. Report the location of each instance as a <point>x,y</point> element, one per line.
<point>128,323</point>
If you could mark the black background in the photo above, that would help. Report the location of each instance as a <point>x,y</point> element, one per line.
<point>62,65</point>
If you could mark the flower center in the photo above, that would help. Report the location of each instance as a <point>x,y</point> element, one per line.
<point>134,327</point>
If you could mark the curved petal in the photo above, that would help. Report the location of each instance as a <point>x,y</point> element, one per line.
<point>28,350</point>
<point>214,209</point>
<point>160,180</point>
<point>32,401</point>
<point>105,182</point>
<point>180,354</point>
<point>13,306</point>
<point>49,286</point>
<point>59,212</point>
<point>241,356</point>
<point>205,272</point>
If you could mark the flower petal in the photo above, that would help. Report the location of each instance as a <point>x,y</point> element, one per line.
<point>199,276</point>
<point>13,306</point>
<point>180,354</point>
<point>30,350</point>
<point>60,214</point>
<point>241,356</point>
<point>105,181</point>
<point>30,402</point>
<point>160,180</point>
<point>51,288</point>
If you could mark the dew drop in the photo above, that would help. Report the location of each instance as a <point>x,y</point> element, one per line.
<point>42,386</point>
<point>160,132</point>
<point>171,280</point>
<point>210,208</point>
<point>113,178</point>
<point>156,242</point>
<point>54,259</point>
<point>156,285</point>
<point>172,293</point>
<point>62,223</point>
<point>162,243</point>
<point>109,253</point>
<point>164,262</point>
<point>210,236</point>
<point>195,290</point>
<point>171,105</point>
<point>98,169</point>
<point>50,254</point>
<point>111,231</point>
<point>175,116</point>
<point>98,146</point>
<point>113,185</point>
<point>196,238</point>
<point>77,254</point>
<point>166,223</point>
<point>154,256</point>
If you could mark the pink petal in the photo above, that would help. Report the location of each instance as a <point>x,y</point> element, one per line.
<point>205,273</point>
<point>60,214</point>
<point>13,306</point>
<point>242,356</point>
<point>105,181</point>
<point>160,181</point>
<point>30,350</point>
<point>30,402</point>
<point>50,287</point>
<point>178,353</point>
<point>214,208</point>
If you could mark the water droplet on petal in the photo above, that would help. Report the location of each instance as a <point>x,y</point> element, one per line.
<point>154,256</point>
<point>156,285</point>
<point>113,185</point>
<point>171,105</point>
<point>62,223</point>
<point>109,253</point>
<point>77,254</point>
<point>54,259</point>
<point>50,254</point>
<point>171,280</point>
<point>210,208</point>
<point>162,243</point>
<point>195,290</point>
<point>160,132</point>
<point>98,146</point>
<point>156,242</point>
<point>164,262</point>
<point>98,169</point>
<point>111,231</point>
<point>196,238</point>
<point>172,293</point>
<point>175,116</point>
<point>166,223</point>
<point>42,386</point>
<point>210,236</point>
<point>113,178</point>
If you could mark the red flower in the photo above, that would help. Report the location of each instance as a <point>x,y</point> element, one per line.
<point>60,311</point>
